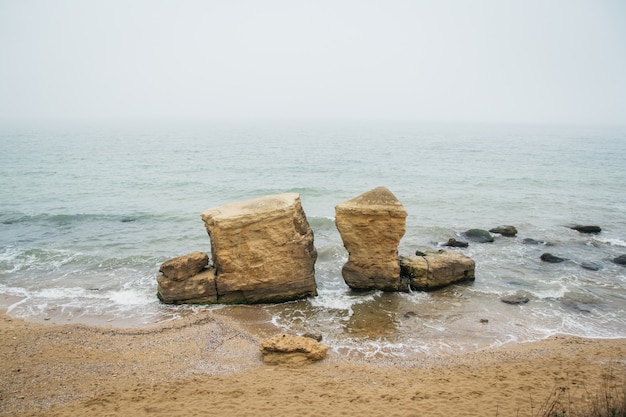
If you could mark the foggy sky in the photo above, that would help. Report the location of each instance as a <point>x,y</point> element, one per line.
<point>561,61</point>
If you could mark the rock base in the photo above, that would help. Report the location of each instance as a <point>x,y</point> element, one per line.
<point>436,270</point>
<point>285,349</point>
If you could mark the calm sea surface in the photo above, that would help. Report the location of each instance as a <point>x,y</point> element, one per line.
<point>87,215</point>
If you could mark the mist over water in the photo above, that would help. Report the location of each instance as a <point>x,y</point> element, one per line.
<point>88,215</point>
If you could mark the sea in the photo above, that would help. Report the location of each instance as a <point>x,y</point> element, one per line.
<point>88,213</point>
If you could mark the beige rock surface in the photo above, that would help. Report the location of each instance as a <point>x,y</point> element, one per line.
<point>198,289</point>
<point>436,270</point>
<point>262,250</point>
<point>285,349</point>
<point>371,226</point>
<point>186,266</point>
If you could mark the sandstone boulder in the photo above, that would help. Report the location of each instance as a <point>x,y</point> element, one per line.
<point>186,266</point>
<point>262,250</point>
<point>436,270</point>
<point>285,349</point>
<point>371,226</point>
<point>198,289</point>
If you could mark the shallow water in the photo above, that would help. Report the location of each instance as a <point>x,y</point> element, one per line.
<point>88,215</point>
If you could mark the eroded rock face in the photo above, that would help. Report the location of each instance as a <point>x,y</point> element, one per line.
<point>198,289</point>
<point>262,250</point>
<point>436,270</point>
<point>186,266</point>
<point>371,226</point>
<point>285,349</point>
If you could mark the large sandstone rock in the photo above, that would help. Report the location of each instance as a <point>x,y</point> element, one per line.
<point>262,250</point>
<point>436,270</point>
<point>198,289</point>
<point>292,350</point>
<point>371,226</point>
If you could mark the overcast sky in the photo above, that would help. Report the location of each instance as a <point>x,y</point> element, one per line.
<point>548,61</point>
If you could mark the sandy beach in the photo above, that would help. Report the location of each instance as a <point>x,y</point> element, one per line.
<point>209,364</point>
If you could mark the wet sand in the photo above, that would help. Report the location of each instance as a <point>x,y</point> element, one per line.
<point>209,364</point>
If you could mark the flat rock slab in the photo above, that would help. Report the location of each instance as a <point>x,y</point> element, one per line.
<point>198,289</point>
<point>262,250</point>
<point>285,349</point>
<point>371,226</point>
<point>436,270</point>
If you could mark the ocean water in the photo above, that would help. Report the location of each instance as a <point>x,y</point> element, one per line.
<point>88,214</point>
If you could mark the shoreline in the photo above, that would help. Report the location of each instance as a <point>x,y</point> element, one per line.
<point>209,364</point>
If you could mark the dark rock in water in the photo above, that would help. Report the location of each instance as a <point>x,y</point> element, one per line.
<point>478,235</point>
<point>410,314</point>
<point>508,231</point>
<point>420,253</point>
<point>590,266</point>
<point>587,229</point>
<point>315,336</point>
<point>620,260</point>
<point>548,257</point>
<point>529,241</point>
<point>515,299</point>
<point>456,243</point>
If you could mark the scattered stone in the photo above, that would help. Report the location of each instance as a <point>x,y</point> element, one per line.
<point>590,266</point>
<point>515,299</point>
<point>186,266</point>
<point>262,250</point>
<point>478,235</point>
<point>507,231</point>
<point>587,229</point>
<point>456,243</point>
<point>548,257</point>
<point>420,253</point>
<point>436,270</point>
<point>410,314</point>
<point>285,349</point>
<point>529,241</point>
<point>620,260</point>
<point>371,226</point>
<point>484,321</point>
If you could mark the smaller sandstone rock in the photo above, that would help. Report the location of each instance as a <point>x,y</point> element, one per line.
<point>508,231</point>
<point>478,235</point>
<point>587,229</point>
<point>186,266</point>
<point>548,257</point>
<point>456,243</point>
<point>285,349</point>
<point>199,289</point>
<point>620,260</point>
<point>436,270</point>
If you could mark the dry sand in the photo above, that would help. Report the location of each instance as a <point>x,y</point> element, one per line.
<point>208,364</point>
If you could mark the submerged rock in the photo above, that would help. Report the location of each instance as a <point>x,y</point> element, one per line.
<point>456,243</point>
<point>548,257</point>
<point>515,299</point>
<point>436,270</point>
<point>587,229</point>
<point>620,260</point>
<point>478,235</point>
<point>262,250</point>
<point>591,266</point>
<point>508,231</point>
<point>285,349</point>
<point>371,226</point>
